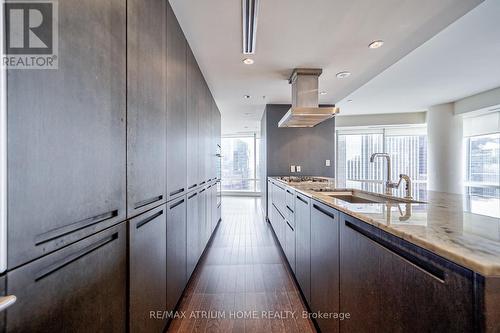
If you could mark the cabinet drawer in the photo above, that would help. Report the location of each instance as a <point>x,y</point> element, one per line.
<point>81,288</point>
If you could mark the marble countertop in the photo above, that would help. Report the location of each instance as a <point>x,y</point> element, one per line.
<point>461,228</point>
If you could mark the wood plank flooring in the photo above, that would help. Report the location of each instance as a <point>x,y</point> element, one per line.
<point>243,283</point>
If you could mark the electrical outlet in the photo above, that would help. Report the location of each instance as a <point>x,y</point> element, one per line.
<point>298,168</point>
<point>292,168</point>
<point>327,163</point>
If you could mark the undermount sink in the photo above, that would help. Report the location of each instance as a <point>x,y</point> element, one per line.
<point>357,196</point>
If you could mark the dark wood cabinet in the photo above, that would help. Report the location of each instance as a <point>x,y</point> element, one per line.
<point>303,244</point>
<point>194,96</point>
<point>147,274</point>
<point>146,105</point>
<point>67,133</point>
<point>176,250</point>
<point>81,288</point>
<point>390,285</point>
<point>325,255</point>
<point>193,234</point>
<point>176,108</point>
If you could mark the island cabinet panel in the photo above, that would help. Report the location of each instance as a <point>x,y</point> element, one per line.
<point>176,108</point>
<point>67,134</point>
<point>325,255</point>
<point>390,285</point>
<point>81,288</point>
<point>146,105</point>
<point>148,259</point>
<point>176,251</point>
<point>303,244</point>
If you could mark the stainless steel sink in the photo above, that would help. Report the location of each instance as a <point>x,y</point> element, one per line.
<point>358,196</point>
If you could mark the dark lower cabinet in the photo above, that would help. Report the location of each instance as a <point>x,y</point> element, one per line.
<point>176,250</point>
<point>146,105</point>
<point>290,245</point>
<point>325,255</point>
<point>81,288</point>
<point>147,274</point>
<point>389,285</point>
<point>192,232</point>
<point>303,244</point>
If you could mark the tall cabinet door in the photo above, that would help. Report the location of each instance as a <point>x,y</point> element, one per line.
<point>192,232</point>
<point>194,80</point>
<point>202,218</point>
<point>176,108</point>
<point>325,256</point>
<point>147,274</point>
<point>66,138</point>
<point>303,244</point>
<point>81,288</point>
<point>146,105</point>
<point>176,250</point>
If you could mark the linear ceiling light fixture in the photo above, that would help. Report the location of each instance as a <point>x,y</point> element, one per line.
<point>250,14</point>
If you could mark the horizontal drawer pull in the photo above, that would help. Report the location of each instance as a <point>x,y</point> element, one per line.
<point>177,191</point>
<point>291,210</point>
<point>192,195</point>
<point>148,219</point>
<point>304,201</point>
<point>289,225</point>
<point>176,204</point>
<point>202,191</point>
<point>74,257</point>
<point>66,230</point>
<point>147,202</point>
<point>278,211</point>
<point>324,211</point>
<point>424,266</point>
<point>192,186</point>
<point>202,183</point>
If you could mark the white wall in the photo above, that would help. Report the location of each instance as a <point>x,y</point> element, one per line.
<point>445,152</point>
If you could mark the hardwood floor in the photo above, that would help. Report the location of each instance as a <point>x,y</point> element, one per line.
<point>243,283</point>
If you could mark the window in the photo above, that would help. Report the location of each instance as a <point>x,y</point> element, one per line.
<point>407,147</point>
<point>239,164</point>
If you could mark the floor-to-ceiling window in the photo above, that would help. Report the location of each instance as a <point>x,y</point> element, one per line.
<point>407,147</point>
<point>240,165</point>
<point>482,164</point>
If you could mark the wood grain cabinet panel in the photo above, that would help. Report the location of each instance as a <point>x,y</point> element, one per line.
<point>325,255</point>
<point>147,274</point>
<point>176,251</point>
<point>67,133</point>
<point>303,244</point>
<point>176,108</point>
<point>81,288</point>
<point>146,105</point>
<point>389,285</point>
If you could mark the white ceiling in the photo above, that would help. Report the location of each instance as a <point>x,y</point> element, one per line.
<point>460,61</point>
<point>329,34</point>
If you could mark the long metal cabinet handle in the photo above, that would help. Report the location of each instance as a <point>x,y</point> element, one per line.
<point>6,301</point>
<point>304,201</point>
<point>177,191</point>
<point>176,204</point>
<point>148,219</point>
<point>148,201</point>
<point>324,211</point>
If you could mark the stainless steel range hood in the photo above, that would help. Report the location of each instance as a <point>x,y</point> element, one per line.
<point>305,110</point>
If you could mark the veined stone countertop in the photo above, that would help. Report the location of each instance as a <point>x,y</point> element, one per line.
<point>461,228</point>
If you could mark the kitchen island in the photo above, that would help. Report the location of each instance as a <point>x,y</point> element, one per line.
<point>432,262</point>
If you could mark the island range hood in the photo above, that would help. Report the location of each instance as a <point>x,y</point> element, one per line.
<point>305,110</point>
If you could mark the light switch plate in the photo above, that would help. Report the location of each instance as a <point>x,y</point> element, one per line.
<point>292,168</point>
<point>298,168</point>
<point>327,163</point>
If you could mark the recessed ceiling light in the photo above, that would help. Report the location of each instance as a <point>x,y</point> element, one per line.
<point>248,61</point>
<point>376,44</point>
<point>322,92</point>
<point>343,75</point>
<point>246,96</point>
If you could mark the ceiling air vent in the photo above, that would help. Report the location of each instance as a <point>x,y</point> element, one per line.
<point>250,14</point>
